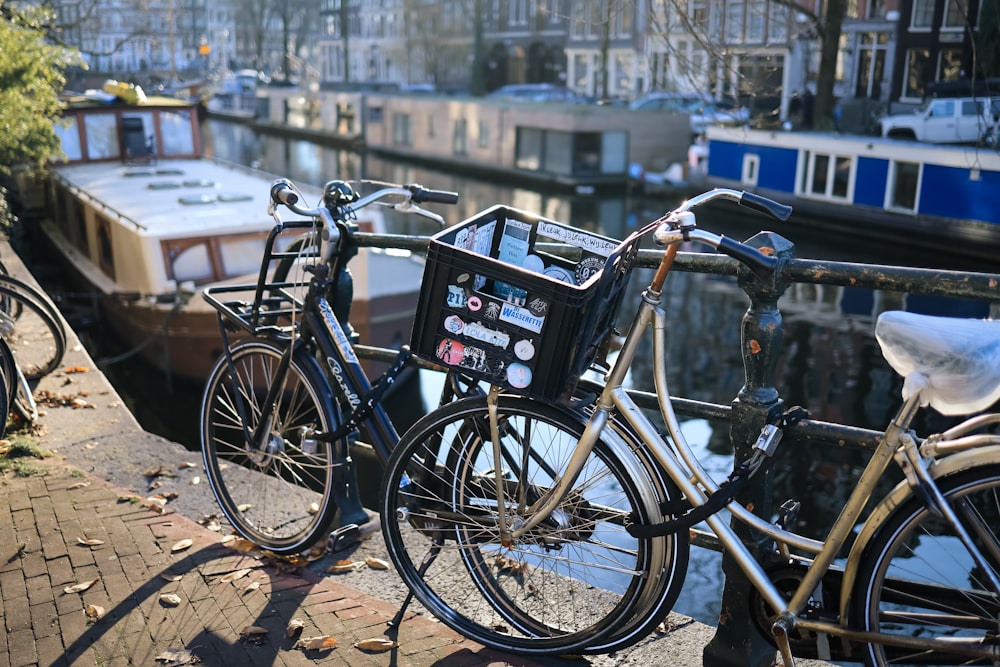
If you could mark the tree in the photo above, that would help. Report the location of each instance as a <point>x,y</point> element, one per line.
<point>32,74</point>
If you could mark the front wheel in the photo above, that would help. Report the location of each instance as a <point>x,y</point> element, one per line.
<point>279,493</point>
<point>917,580</point>
<point>576,581</point>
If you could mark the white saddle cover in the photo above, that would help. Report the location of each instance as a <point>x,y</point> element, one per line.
<point>954,363</point>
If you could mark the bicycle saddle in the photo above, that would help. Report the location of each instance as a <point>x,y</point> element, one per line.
<point>954,363</point>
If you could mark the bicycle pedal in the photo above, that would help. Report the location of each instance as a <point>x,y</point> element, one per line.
<point>343,537</point>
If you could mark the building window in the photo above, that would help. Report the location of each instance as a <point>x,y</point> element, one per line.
<point>956,13</point>
<point>459,140</point>
<point>949,65</point>
<point>904,184</point>
<point>919,69</point>
<point>734,21</point>
<point>871,64</point>
<point>923,14</point>
<point>528,149</point>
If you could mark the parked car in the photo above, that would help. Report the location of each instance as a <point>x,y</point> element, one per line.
<point>701,111</point>
<point>944,120</point>
<point>535,92</point>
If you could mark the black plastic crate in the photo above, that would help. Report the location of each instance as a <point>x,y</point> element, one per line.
<point>530,330</point>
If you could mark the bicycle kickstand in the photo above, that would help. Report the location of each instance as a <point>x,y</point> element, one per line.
<point>428,559</point>
<point>780,631</point>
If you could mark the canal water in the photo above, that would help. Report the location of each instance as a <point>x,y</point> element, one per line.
<point>830,365</point>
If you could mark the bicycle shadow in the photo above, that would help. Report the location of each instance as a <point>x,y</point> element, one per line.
<point>235,606</point>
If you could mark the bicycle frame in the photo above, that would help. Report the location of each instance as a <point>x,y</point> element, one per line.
<point>683,468</point>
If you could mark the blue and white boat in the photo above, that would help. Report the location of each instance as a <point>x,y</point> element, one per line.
<point>901,191</point>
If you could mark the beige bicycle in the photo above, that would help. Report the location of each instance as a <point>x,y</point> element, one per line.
<point>549,526</point>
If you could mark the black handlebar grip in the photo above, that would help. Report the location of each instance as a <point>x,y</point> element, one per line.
<point>419,194</point>
<point>761,264</point>
<point>766,206</point>
<point>283,192</point>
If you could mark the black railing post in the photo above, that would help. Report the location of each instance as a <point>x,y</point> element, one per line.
<point>737,641</point>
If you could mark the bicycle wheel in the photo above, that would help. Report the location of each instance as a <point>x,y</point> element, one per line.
<point>34,333</point>
<point>567,585</point>
<point>916,579</point>
<point>280,497</point>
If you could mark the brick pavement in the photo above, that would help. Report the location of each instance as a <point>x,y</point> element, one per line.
<point>43,517</point>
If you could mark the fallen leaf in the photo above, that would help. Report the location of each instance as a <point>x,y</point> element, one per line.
<point>375,645</point>
<point>182,545</point>
<point>342,566</point>
<point>187,464</point>
<point>158,505</point>
<point>153,486</point>
<point>170,599</point>
<point>317,643</point>
<point>166,576</point>
<point>294,627</point>
<point>167,495</point>
<point>243,545</point>
<point>176,657</point>
<point>251,587</point>
<point>76,369</point>
<point>89,543</point>
<point>95,612</point>
<point>79,403</point>
<point>236,574</point>
<point>377,563</point>
<point>313,508</point>
<point>80,587</point>
<point>214,525</point>
<point>244,507</point>
<point>317,552</point>
<point>90,445</point>
<point>78,485</point>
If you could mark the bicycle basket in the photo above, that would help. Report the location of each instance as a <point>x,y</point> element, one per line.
<point>506,307</point>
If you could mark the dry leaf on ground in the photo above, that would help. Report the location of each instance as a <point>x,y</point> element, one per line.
<point>95,612</point>
<point>181,545</point>
<point>80,587</point>
<point>342,566</point>
<point>317,643</point>
<point>294,627</point>
<point>234,575</point>
<point>89,543</point>
<point>176,657</point>
<point>166,576</point>
<point>375,645</point>
<point>377,563</point>
<point>78,485</point>
<point>170,599</point>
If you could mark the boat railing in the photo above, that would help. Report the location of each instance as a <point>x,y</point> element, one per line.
<point>763,323</point>
<point>95,203</point>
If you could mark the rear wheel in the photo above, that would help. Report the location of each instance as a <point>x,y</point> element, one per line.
<point>917,580</point>
<point>279,495</point>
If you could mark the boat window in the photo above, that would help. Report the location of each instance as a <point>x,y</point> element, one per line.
<point>558,152</point>
<point>106,256</point>
<point>459,139</point>
<point>69,134</point>
<point>140,139</point>
<point>176,130</point>
<point>193,262</point>
<point>614,152</point>
<point>903,186</point>
<point>528,148</point>
<point>102,136</point>
<point>401,129</point>
<point>241,255</point>
<point>827,176</point>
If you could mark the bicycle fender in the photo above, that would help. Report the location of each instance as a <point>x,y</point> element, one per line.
<point>942,467</point>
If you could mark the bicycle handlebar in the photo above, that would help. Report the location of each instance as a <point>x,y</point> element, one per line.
<point>680,225</point>
<point>285,193</point>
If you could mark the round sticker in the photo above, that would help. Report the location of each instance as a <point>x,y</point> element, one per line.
<point>587,267</point>
<point>474,303</point>
<point>524,349</point>
<point>454,324</point>
<point>534,264</point>
<point>518,375</point>
<point>559,273</point>
<point>450,351</point>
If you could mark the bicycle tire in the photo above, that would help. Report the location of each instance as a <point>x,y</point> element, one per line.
<point>38,295</point>
<point>914,565</point>
<point>8,370</point>
<point>282,500</point>
<point>35,335</point>
<point>542,595</point>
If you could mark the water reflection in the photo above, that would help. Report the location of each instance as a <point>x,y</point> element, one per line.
<point>830,364</point>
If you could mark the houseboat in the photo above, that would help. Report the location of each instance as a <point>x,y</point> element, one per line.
<point>941,197</point>
<point>145,222</point>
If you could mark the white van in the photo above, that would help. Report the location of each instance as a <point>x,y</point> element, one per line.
<point>945,120</point>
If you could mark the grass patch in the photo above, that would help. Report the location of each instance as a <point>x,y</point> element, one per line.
<point>17,454</point>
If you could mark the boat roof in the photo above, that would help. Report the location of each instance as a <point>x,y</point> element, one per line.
<point>176,198</point>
